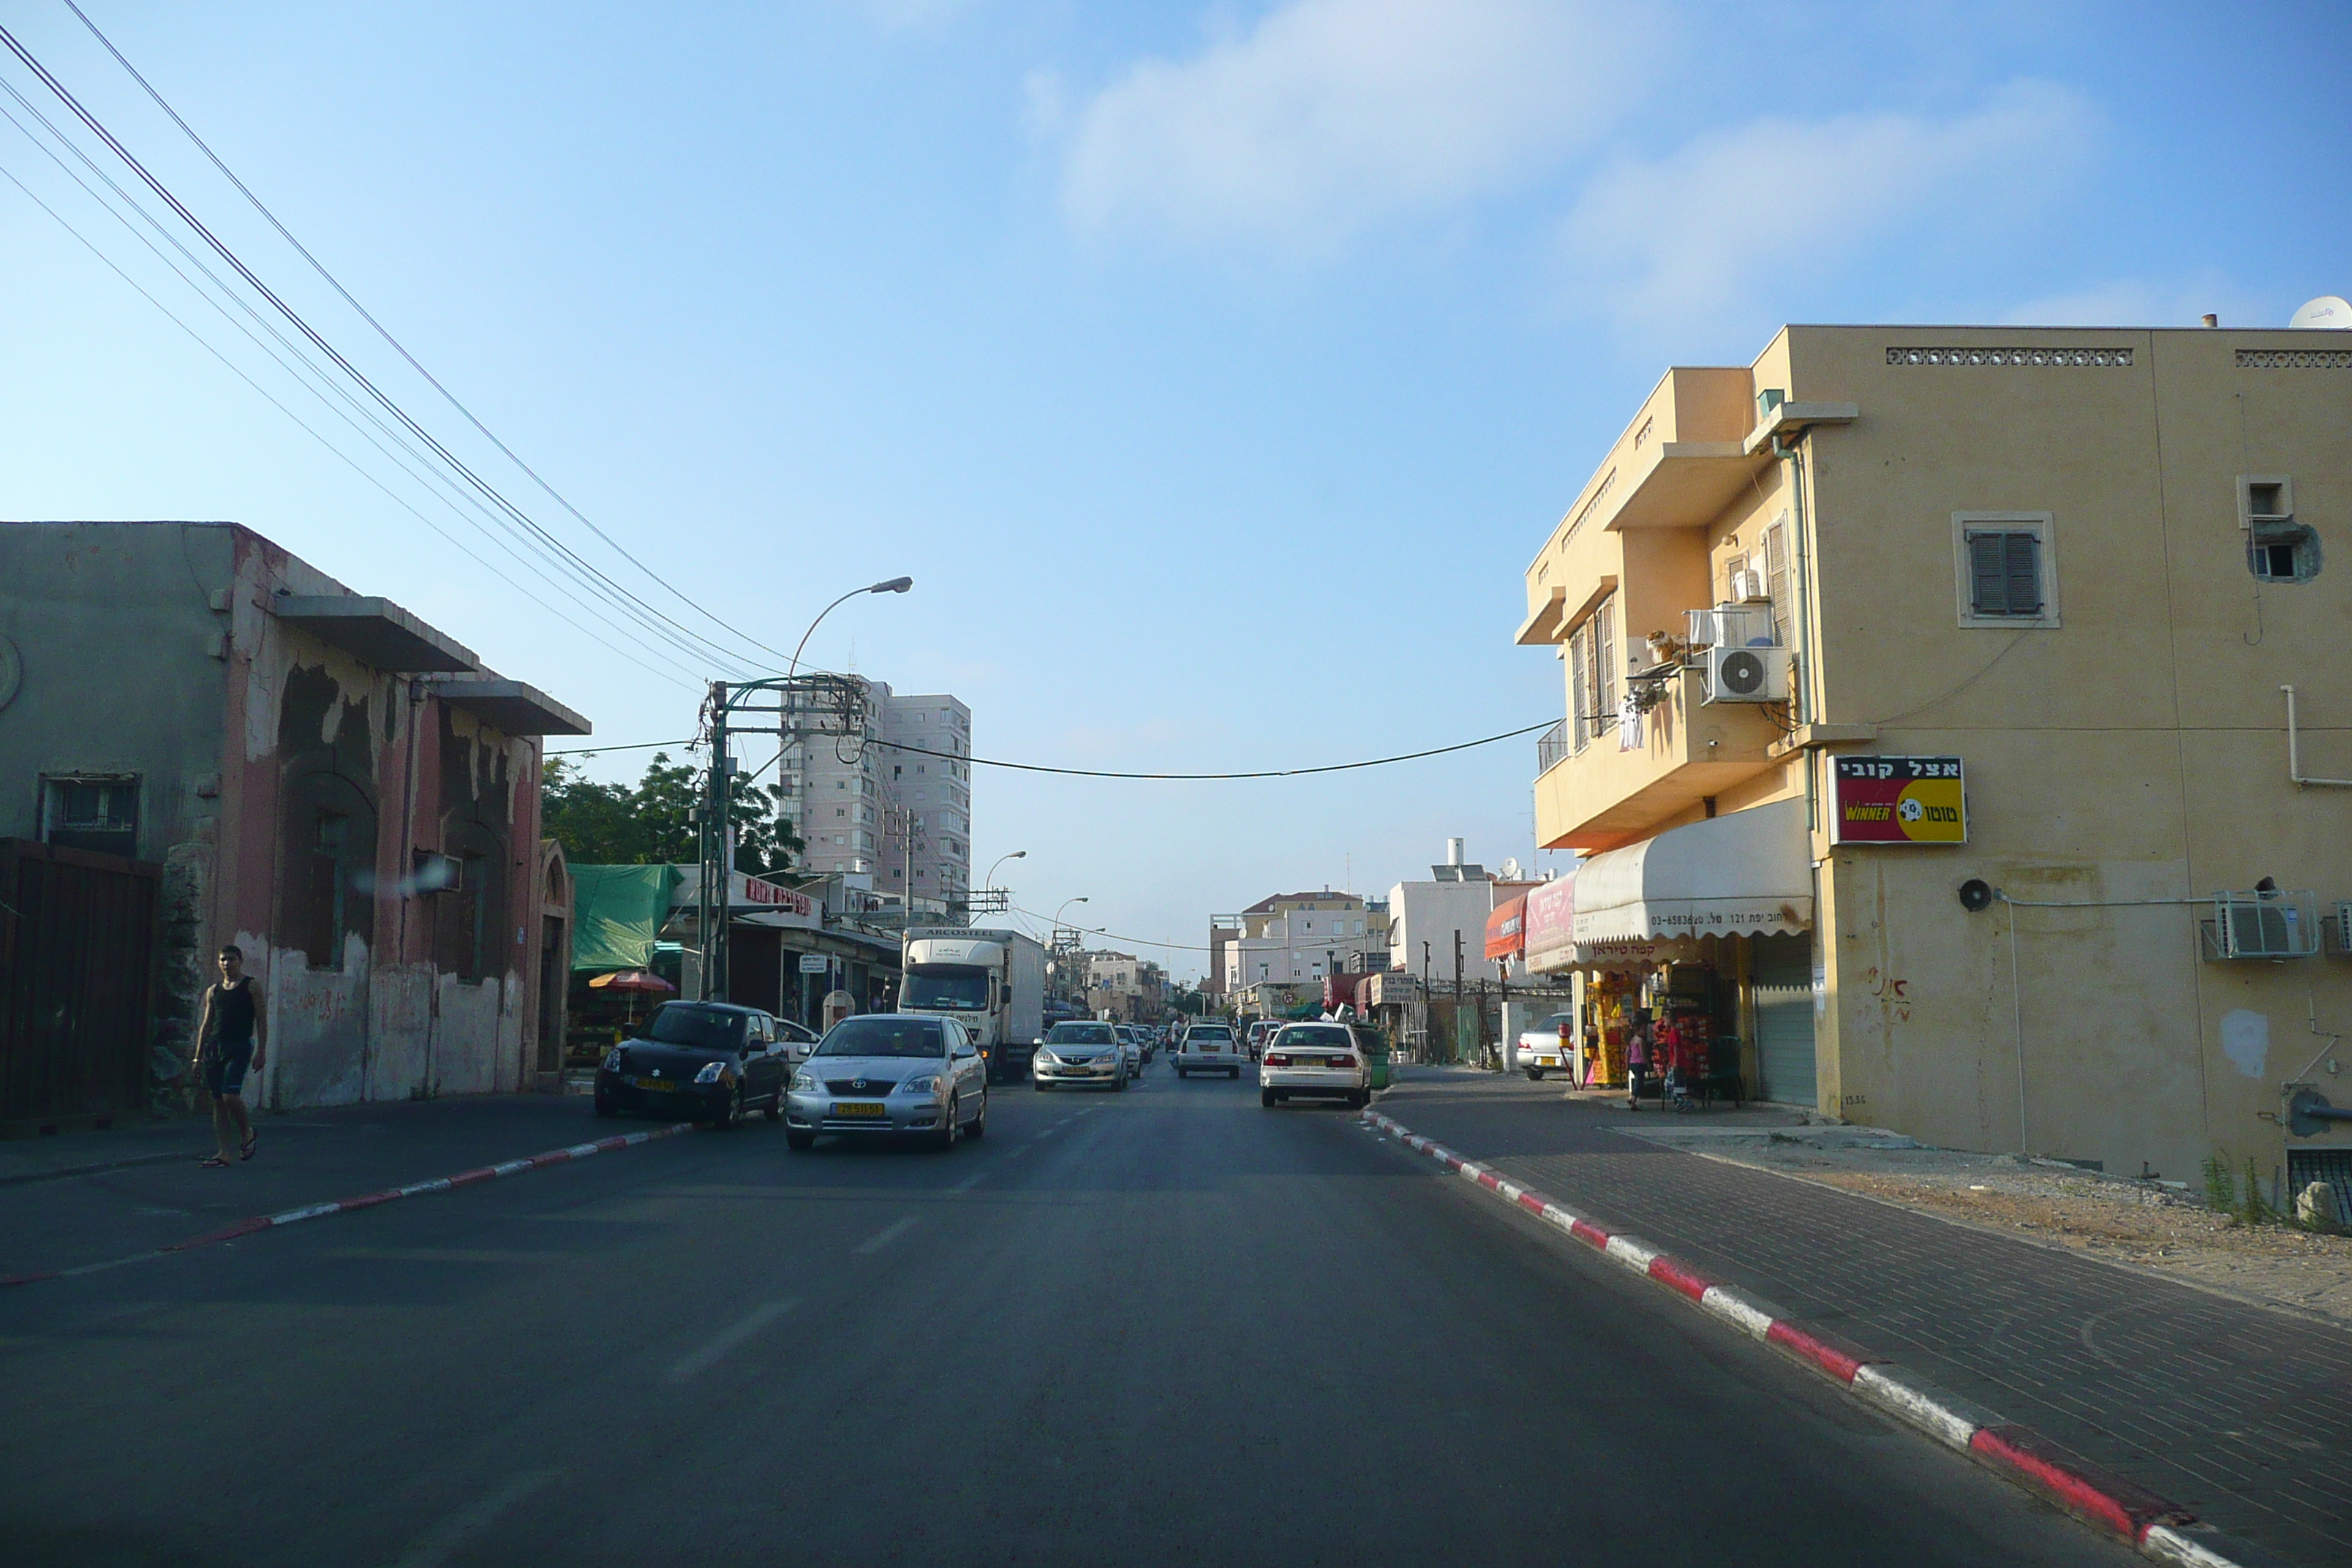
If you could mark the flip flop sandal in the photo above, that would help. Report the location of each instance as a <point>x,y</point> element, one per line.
<point>252,1141</point>
<point>215,1162</point>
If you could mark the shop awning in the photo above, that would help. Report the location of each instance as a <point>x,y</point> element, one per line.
<point>616,911</point>
<point>1549,926</point>
<point>1750,872</point>
<point>1506,930</point>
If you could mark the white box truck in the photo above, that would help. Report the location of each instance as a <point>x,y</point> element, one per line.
<point>991,982</point>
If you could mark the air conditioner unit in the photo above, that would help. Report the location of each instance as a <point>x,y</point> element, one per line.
<point>2339,927</point>
<point>1733,625</point>
<point>2262,925</point>
<point>1747,675</point>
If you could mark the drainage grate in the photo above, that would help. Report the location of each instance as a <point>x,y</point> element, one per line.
<point>2305,1167</point>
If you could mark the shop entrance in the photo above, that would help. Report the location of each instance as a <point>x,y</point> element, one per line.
<point>1781,970</point>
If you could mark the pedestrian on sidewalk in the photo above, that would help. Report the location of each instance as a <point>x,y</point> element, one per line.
<point>229,1032</point>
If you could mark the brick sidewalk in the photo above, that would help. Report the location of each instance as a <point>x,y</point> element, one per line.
<point>2239,1413</point>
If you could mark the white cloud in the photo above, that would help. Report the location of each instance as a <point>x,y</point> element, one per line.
<point>1332,115</point>
<point>1695,235</point>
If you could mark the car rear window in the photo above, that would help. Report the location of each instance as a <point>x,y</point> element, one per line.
<point>1317,1036</point>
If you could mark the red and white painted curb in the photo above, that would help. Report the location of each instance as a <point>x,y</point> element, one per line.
<point>368,1201</point>
<point>2156,1527</point>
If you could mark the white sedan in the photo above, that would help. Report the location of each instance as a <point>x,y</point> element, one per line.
<point>1546,1047</point>
<point>1315,1060</point>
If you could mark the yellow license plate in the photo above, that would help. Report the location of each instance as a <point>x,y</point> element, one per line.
<point>660,1083</point>
<point>869,1110</point>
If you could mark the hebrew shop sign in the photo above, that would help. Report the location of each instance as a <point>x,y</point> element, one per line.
<point>1900,800</point>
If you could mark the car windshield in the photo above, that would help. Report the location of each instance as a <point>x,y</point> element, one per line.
<point>1081,1034</point>
<point>945,985</point>
<point>885,1038</point>
<point>689,1024</point>
<point>1314,1034</point>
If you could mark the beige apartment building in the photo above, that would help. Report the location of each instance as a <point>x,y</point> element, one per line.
<point>1960,720</point>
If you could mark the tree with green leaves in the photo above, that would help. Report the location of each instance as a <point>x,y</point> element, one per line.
<point>651,822</point>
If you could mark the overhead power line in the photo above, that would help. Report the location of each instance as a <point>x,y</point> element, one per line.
<point>1106,773</point>
<point>399,348</point>
<point>604,584</point>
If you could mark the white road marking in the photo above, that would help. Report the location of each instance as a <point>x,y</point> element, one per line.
<point>434,1546</point>
<point>710,1355</point>
<point>443,1253</point>
<point>885,1237</point>
<point>969,1181</point>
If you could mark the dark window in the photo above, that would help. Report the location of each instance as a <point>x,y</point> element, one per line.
<point>2005,574</point>
<point>100,815</point>
<point>2283,552</point>
<point>326,906</point>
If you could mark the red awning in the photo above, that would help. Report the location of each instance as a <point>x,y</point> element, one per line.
<point>1505,933</point>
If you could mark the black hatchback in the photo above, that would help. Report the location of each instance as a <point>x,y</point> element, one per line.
<point>698,1061</point>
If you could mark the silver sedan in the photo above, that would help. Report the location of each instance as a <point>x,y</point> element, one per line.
<point>1080,1053</point>
<point>885,1073</point>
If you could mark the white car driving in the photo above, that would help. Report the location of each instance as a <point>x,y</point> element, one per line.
<point>1209,1047</point>
<point>1313,1060</point>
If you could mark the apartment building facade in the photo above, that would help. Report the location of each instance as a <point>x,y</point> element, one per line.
<point>1298,936</point>
<point>900,810</point>
<point>1951,712</point>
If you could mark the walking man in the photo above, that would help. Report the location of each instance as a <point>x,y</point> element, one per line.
<point>228,1043</point>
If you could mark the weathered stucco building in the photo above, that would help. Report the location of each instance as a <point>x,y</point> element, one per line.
<point>1927,723</point>
<point>324,780</point>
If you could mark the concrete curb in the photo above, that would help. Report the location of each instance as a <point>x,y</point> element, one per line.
<point>366,1201</point>
<point>2019,1454</point>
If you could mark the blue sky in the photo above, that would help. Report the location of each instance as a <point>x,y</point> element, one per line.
<point>1215,369</point>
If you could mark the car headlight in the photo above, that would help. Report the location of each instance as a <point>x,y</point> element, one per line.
<point>1047,1058</point>
<point>927,1084</point>
<point>712,1073</point>
<point>612,1059</point>
<point>804,1082</point>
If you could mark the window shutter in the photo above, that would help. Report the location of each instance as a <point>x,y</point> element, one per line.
<point>1776,580</point>
<point>1988,593</point>
<point>2023,566</point>
<point>1604,662</point>
<point>1579,692</point>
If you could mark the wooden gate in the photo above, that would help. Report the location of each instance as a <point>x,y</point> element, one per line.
<point>78,948</point>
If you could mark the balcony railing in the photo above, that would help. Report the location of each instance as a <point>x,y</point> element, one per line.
<point>1551,746</point>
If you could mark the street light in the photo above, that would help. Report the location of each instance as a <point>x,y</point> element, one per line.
<point>990,880</point>
<point>894,585</point>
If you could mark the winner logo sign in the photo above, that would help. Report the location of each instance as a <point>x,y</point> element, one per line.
<point>1900,800</point>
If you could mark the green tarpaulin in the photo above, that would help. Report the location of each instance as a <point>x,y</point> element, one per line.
<point>617,913</point>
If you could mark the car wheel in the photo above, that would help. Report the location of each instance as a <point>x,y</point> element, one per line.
<point>775,1109</point>
<point>945,1137</point>
<point>1534,1075</point>
<point>1265,1097</point>
<point>1120,1087</point>
<point>979,1127</point>
<point>730,1114</point>
<point>606,1108</point>
<point>800,1142</point>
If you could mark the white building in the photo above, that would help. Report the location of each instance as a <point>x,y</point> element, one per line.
<point>1295,937</point>
<point>901,817</point>
<point>1425,918</point>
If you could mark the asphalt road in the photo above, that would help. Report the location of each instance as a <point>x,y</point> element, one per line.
<point>1158,1327</point>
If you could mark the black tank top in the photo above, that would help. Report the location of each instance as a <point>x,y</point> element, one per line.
<point>233,1011</point>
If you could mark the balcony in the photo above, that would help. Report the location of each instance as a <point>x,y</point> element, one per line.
<point>1604,796</point>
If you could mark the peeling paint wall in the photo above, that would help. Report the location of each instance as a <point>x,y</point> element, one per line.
<point>288,788</point>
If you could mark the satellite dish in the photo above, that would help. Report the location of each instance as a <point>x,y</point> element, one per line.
<point>2329,310</point>
<point>1511,872</point>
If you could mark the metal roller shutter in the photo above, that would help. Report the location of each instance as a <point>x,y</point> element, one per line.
<point>1782,972</point>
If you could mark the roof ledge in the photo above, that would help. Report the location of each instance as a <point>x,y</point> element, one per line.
<point>1542,629</point>
<point>1790,418</point>
<point>375,631</point>
<point>507,706</point>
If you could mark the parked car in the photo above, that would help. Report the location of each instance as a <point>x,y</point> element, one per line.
<point>797,1039</point>
<point>1318,1061</point>
<point>1209,1047</point>
<point>1254,1037</point>
<point>879,1073</point>
<point>701,1061</point>
<point>1088,1054</point>
<point>1543,1047</point>
<point>1130,1046</point>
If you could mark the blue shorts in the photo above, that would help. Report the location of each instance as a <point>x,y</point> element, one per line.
<point>224,1066</point>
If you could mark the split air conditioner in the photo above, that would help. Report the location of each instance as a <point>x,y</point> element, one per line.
<point>2263,925</point>
<point>1747,675</point>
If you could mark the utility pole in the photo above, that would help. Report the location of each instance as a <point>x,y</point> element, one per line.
<point>716,847</point>
<point>1456,1043</point>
